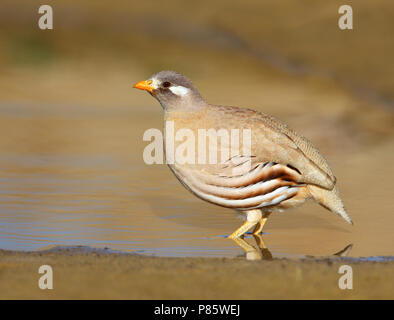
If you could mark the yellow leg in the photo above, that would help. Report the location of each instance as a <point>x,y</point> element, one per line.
<point>251,253</point>
<point>244,245</point>
<point>254,253</point>
<point>267,255</point>
<point>252,218</point>
<point>260,224</point>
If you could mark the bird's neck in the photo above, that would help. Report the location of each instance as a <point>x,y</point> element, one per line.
<point>184,106</point>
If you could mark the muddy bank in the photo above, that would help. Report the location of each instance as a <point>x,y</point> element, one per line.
<point>86,274</point>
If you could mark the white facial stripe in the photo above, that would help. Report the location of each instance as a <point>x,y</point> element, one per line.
<point>179,90</point>
<point>155,83</point>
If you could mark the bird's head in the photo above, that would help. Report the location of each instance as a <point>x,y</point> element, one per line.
<point>173,90</point>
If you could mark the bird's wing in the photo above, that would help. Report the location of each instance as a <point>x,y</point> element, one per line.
<point>242,183</point>
<point>302,155</point>
<point>273,141</point>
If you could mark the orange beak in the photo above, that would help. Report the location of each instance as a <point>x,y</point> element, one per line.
<point>144,85</point>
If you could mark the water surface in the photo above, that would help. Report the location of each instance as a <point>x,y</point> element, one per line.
<point>72,175</point>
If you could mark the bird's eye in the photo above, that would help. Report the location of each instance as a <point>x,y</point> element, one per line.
<point>166,84</point>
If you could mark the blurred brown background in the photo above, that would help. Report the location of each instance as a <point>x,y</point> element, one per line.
<point>286,58</point>
<point>67,94</point>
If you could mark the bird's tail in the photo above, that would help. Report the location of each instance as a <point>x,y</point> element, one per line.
<point>330,200</point>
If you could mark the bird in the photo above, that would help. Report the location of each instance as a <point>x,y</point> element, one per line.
<point>282,169</point>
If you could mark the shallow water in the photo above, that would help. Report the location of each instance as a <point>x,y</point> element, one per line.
<point>75,176</point>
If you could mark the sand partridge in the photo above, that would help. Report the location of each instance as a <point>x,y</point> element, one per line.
<point>281,170</point>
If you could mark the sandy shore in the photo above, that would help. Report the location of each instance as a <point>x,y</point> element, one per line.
<point>86,274</point>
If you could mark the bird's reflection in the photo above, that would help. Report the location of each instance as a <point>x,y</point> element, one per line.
<point>254,252</point>
<point>259,251</point>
